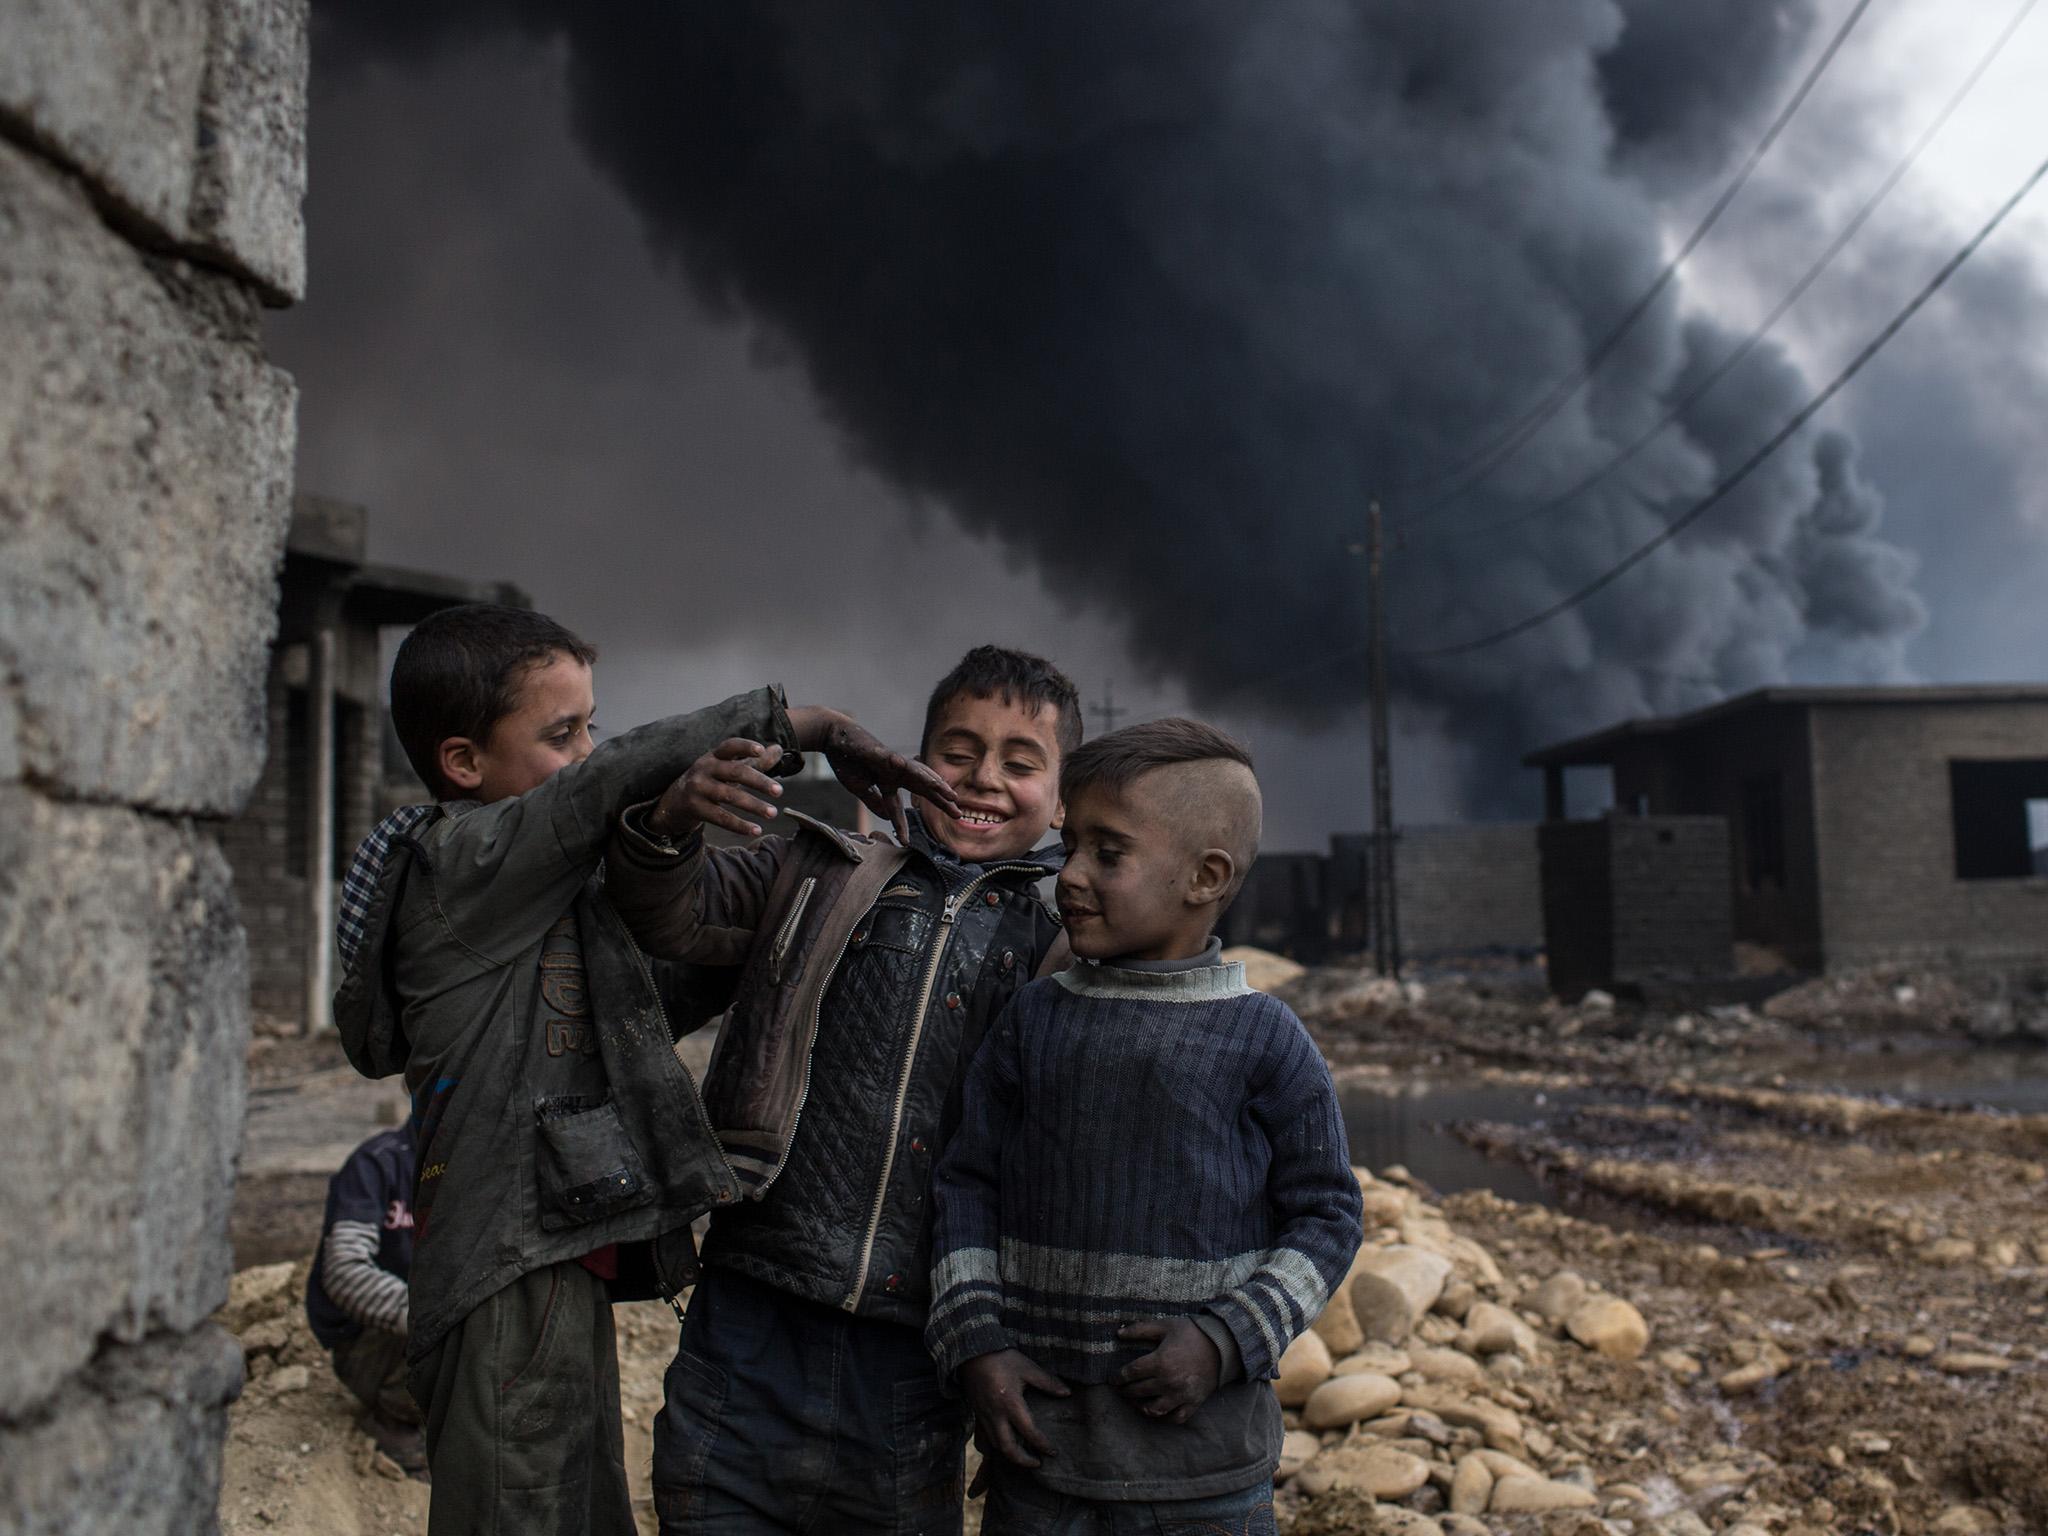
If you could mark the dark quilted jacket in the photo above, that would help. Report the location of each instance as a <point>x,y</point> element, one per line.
<point>840,1213</point>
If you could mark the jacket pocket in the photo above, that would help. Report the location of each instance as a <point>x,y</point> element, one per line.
<point>588,1166</point>
<point>785,936</point>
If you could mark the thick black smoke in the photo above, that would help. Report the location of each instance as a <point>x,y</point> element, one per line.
<point>1158,294</point>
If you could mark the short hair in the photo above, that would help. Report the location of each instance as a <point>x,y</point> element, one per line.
<point>1213,809</point>
<point>458,674</point>
<point>1117,760</point>
<point>1015,677</point>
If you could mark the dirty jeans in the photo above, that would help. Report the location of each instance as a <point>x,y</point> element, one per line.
<point>521,1403</point>
<point>782,1415</point>
<point>372,1366</point>
<point>1018,1505</point>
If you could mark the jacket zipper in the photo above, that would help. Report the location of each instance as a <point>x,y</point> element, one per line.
<point>779,952</point>
<point>947,914</point>
<point>760,1191</point>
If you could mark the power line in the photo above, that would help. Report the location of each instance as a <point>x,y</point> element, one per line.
<point>1799,419</point>
<point>1462,477</point>
<point>1755,337</point>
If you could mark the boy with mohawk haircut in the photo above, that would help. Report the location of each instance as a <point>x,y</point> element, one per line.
<point>1150,1195</point>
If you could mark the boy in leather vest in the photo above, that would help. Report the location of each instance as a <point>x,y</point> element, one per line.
<point>802,1396</point>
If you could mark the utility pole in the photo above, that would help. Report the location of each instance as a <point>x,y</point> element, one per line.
<point>1383,897</point>
<point>1108,711</point>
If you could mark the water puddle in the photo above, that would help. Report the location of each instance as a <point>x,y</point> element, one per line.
<point>1413,1126</point>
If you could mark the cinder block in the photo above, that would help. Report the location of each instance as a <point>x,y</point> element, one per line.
<point>130,1448</point>
<point>145,476</point>
<point>112,87</point>
<point>250,180</point>
<point>122,1081</point>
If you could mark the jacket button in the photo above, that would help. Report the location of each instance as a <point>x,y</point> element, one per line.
<point>1009,959</point>
<point>725,1197</point>
<point>893,1284</point>
<point>861,937</point>
<point>992,898</point>
<point>917,1143</point>
<point>952,999</point>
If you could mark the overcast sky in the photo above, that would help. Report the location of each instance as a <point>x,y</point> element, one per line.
<point>508,356</point>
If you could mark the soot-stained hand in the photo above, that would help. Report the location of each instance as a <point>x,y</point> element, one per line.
<point>1180,1373</point>
<point>876,775</point>
<point>995,1385</point>
<point>722,789</point>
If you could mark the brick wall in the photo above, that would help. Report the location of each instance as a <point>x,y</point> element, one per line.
<point>151,168</point>
<point>1887,847</point>
<point>1463,889</point>
<point>1629,899</point>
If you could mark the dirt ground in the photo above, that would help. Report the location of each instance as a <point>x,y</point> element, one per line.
<point>1845,1294</point>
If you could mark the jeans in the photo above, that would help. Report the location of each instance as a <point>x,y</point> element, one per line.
<point>1018,1505</point>
<point>784,1416</point>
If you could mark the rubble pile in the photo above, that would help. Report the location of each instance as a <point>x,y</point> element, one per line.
<point>1427,1385</point>
<point>1987,1006</point>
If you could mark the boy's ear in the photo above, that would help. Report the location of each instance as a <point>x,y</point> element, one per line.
<point>459,764</point>
<point>1212,876</point>
<point>1059,813</point>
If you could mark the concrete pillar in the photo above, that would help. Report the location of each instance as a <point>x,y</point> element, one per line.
<point>320,663</point>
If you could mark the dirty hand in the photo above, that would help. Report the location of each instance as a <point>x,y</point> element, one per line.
<point>875,774</point>
<point>1178,1376</point>
<point>723,787</point>
<point>995,1385</point>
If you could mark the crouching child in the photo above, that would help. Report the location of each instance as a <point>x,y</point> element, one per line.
<point>1150,1195</point>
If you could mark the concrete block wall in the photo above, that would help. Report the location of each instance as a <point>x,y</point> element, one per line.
<point>151,168</point>
<point>1630,899</point>
<point>1888,885</point>
<point>1465,889</point>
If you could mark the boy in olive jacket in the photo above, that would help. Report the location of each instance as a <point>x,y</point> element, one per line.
<point>554,1122</point>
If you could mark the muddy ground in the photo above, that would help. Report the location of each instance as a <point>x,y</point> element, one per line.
<point>1846,1293</point>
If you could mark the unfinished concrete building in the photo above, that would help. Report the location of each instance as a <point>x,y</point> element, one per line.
<point>152,164</point>
<point>1860,824</point>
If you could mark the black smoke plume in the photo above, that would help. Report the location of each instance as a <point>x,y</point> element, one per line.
<point>1159,294</point>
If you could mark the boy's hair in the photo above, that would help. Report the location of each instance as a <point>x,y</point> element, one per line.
<point>1215,806</point>
<point>1115,761</point>
<point>1015,677</point>
<point>458,674</point>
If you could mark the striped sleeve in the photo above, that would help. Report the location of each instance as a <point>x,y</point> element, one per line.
<point>349,1273</point>
<point>967,1284</point>
<point>1315,1200</point>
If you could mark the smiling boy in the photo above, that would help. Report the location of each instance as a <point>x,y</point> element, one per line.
<point>802,1397</point>
<point>1150,1194</point>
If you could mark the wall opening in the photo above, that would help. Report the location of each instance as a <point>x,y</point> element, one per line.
<point>2000,814</point>
<point>1763,832</point>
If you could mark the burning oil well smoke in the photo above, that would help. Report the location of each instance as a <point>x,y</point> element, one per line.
<point>1159,293</point>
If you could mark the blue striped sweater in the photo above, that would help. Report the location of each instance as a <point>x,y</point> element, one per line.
<point>1138,1144</point>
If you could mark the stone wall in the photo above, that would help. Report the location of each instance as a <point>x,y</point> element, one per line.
<point>151,169</point>
<point>1631,899</point>
<point>1464,889</point>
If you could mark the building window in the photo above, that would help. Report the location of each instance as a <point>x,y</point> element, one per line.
<point>2000,811</point>
<point>1763,832</point>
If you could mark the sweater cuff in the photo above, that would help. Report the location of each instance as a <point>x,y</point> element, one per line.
<point>1231,1358</point>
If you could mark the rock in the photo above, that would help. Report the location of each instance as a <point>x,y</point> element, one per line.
<point>384,1466</point>
<point>1384,1207</point>
<point>1501,1464</point>
<point>1701,1476</point>
<point>1297,1449</point>
<point>1535,1495</point>
<point>1471,1487</point>
<point>1465,1525</point>
<point>1379,1470</point>
<point>1949,1250</point>
<point>1345,1400</point>
<point>1304,1367</point>
<point>1970,1363</point>
<point>1494,1330</point>
<point>288,1378</point>
<point>1446,1365</point>
<point>1610,1326</point>
<point>266,1337</point>
<point>1457,1298</point>
<point>1393,1287</point>
<point>256,1295</point>
<point>1392,1520</point>
<point>1337,1326</point>
<point>1965,1520</point>
<point>1597,1003</point>
<point>1680,1364</point>
<point>1383,1358</point>
<point>1500,1427</point>
<point>1918,1346</point>
<point>1747,1378</point>
<point>1683,1522</point>
<point>1559,1297</point>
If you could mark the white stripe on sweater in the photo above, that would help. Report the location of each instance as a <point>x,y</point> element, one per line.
<point>354,1282</point>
